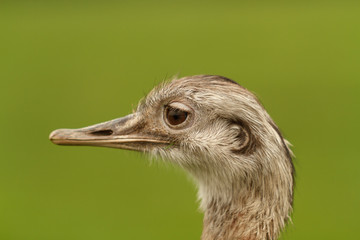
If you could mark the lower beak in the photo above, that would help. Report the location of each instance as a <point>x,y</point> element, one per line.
<point>126,133</point>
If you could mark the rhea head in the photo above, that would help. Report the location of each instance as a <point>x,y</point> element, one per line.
<point>220,133</point>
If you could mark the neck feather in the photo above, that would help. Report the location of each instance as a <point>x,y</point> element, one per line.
<point>251,208</point>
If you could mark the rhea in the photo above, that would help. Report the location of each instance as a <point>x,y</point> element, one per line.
<point>223,137</point>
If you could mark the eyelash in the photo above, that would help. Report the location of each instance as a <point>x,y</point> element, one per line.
<point>168,108</point>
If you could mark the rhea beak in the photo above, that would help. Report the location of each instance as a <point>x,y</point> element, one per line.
<point>125,133</point>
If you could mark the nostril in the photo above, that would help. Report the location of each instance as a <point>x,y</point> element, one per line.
<point>102,132</point>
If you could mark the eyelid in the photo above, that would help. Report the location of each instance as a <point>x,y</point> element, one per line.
<point>179,106</point>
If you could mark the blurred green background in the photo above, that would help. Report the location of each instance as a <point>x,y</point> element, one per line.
<point>75,63</point>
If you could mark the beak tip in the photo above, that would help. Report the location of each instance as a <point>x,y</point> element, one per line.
<point>55,135</point>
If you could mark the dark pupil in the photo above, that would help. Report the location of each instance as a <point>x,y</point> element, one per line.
<point>176,116</point>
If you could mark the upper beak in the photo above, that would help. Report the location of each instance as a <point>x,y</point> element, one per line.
<point>126,133</point>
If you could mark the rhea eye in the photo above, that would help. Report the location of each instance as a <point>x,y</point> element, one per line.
<point>175,116</point>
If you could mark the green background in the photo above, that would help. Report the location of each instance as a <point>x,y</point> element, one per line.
<point>75,63</point>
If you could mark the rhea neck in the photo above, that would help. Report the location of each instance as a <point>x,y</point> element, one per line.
<point>238,207</point>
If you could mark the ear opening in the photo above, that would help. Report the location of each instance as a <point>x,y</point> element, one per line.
<point>247,141</point>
